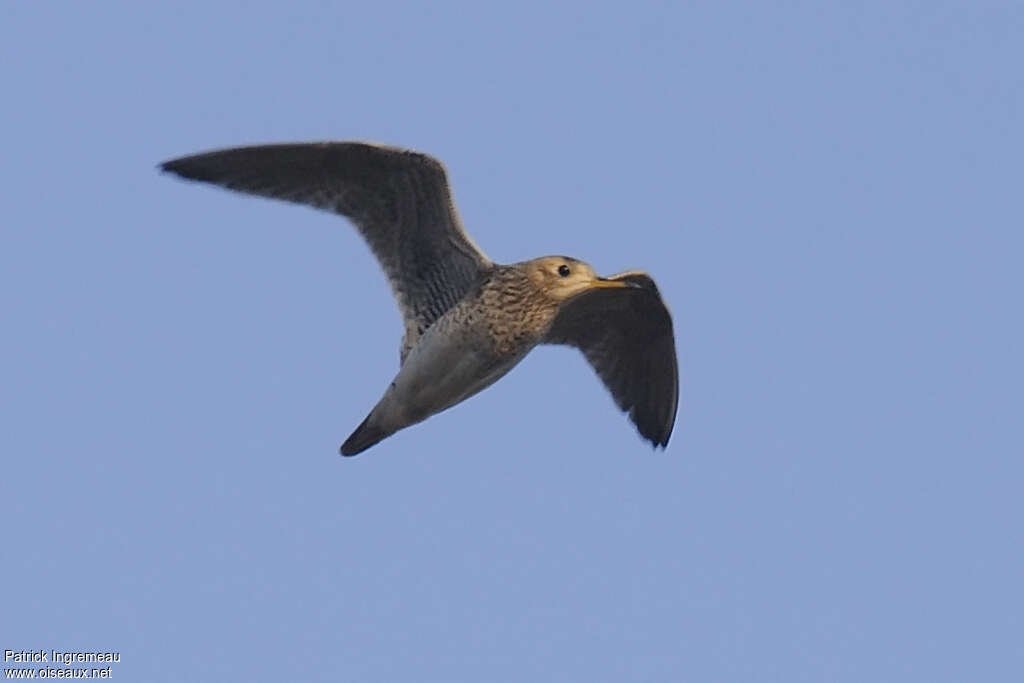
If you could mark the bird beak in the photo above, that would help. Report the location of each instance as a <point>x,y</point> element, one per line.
<point>603,283</point>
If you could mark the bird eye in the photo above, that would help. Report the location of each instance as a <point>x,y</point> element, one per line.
<point>563,270</point>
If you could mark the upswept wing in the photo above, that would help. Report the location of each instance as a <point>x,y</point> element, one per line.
<point>626,335</point>
<point>399,200</point>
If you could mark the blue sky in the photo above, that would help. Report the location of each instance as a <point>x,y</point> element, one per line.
<point>828,195</point>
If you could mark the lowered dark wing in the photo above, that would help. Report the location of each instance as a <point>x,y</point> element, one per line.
<point>399,201</point>
<point>626,335</point>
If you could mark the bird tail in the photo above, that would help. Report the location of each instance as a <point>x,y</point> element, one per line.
<point>366,434</point>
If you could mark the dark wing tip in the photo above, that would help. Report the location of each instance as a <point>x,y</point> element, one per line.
<point>190,168</point>
<point>655,429</point>
<point>168,166</point>
<point>659,434</point>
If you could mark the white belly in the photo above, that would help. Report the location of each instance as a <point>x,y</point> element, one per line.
<point>438,373</point>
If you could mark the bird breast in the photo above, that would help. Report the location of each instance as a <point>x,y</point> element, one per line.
<point>517,314</point>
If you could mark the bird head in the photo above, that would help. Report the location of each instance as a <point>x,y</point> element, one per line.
<point>562,277</point>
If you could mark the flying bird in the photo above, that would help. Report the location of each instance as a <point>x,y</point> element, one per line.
<point>468,320</point>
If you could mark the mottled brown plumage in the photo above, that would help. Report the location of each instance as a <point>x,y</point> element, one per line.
<point>517,311</point>
<point>468,321</point>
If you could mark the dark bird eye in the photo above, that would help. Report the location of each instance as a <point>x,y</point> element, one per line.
<point>563,270</point>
